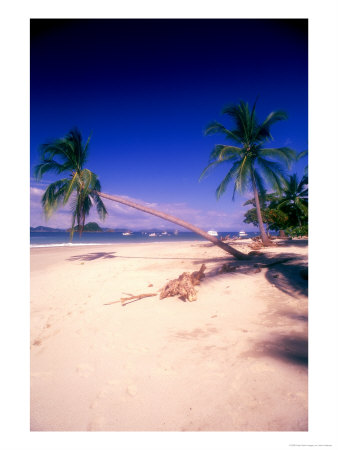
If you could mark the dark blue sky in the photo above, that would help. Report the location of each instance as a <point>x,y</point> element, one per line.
<point>146,89</point>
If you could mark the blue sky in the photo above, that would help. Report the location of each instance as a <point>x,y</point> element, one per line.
<point>146,89</point>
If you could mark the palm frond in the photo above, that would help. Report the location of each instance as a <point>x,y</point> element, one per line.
<point>273,173</point>
<point>302,206</point>
<point>243,175</point>
<point>86,205</point>
<point>100,207</point>
<point>239,114</point>
<point>284,154</point>
<point>260,184</point>
<point>208,167</point>
<point>217,128</point>
<point>225,152</point>
<point>58,147</point>
<point>230,175</point>
<point>283,203</point>
<point>48,165</point>
<point>303,182</point>
<point>263,131</point>
<point>53,195</point>
<point>89,179</point>
<point>74,183</point>
<point>302,154</point>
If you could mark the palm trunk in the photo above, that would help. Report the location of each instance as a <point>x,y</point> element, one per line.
<point>266,241</point>
<point>175,220</point>
<point>81,225</point>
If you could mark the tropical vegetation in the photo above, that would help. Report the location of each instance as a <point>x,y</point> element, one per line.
<point>69,154</point>
<point>294,200</point>
<point>253,166</point>
<point>287,210</point>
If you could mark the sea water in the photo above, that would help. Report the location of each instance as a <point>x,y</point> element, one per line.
<point>62,238</point>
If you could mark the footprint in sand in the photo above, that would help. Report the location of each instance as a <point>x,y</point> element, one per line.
<point>108,389</point>
<point>132,390</point>
<point>84,370</point>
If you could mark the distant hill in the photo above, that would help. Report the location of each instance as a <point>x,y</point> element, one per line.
<point>45,229</point>
<point>90,226</point>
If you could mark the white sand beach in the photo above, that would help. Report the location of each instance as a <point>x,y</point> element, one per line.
<point>234,360</point>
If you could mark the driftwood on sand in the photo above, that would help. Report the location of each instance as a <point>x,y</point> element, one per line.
<point>130,298</point>
<point>184,285</point>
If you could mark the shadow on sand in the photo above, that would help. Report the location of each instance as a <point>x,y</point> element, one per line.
<point>92,256</point>
<point>290,349</point>
<point>108,255</point>
<point>285,271</point>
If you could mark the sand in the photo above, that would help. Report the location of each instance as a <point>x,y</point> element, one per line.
<point>234,360</point>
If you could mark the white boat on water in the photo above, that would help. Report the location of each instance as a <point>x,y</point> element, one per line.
<point>127,233</point>
<point>212,233</point>
<point>242,234</point>
<point>152,234</point>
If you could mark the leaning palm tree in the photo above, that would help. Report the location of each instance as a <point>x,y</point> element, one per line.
<point>69,154</point>
<point>86,188</point>
<point>253,166</point>
<point>294,199</point>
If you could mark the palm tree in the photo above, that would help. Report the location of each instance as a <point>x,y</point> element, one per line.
<point>69,154</point>
<point>252,165</point>
<point>86,187</point>
<point>294,199</point>
<point>177,221</point>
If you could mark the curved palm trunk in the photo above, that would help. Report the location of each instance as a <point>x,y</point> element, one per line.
<point>175,220</point>
<point>266,241</point>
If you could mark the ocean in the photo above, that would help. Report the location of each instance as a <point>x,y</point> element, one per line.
<point>59,239</point>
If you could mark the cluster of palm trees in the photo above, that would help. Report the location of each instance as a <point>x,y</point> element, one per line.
<point>253,167</point>
<point>285,210</point>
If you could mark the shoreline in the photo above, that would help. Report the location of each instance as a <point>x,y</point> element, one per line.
<point>234,360</point>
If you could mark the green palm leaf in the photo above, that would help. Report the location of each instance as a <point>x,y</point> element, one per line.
<point>68,154</point>
<point>53,196</point>
<point>272,172</point>
<point>47,166</point>
<point>284,154</point>
<point>225,152</point>
<point>217,128</point>
<point>230,175</point>
<point>263,131</point>
<point>100,208</point>
<point>302,154</point>
<point>243,175</point>
<point>74,183</point>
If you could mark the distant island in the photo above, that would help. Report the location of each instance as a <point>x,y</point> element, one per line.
<point>94,227</point>
<point>90,226</point>
<point>45,229</point>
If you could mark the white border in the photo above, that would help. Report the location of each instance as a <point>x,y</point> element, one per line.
<point>15,208</point>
